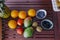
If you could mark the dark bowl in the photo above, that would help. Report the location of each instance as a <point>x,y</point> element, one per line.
<point>50,23</point>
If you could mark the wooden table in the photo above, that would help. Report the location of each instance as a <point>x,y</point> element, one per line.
<point>53,34</point>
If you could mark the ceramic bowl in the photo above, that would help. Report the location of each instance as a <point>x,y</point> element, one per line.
<point>51,23</point>
<point>39,14</point>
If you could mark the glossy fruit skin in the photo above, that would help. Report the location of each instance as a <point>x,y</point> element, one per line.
<point>22,14</point>
<point>20,30</point>
<point>28,32</point>
<point>27,22</point>
<point>20,22</point>
<point>12,24</point>
<point>31,12</point>
<point>14,13</point>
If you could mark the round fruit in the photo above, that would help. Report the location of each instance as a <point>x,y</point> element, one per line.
<point>38,29</point>
<point>14,13</point>
<point>20,22</point>
<point>32,12</point>
<point>35,24</point>
<point>20,31</point>
<point>12,24</point>
<point>22,14</point>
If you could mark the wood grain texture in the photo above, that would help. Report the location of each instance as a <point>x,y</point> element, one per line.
<point>36,4</point>
<point>9,1</point>
<point>57,31</point>
<point>0,29</point>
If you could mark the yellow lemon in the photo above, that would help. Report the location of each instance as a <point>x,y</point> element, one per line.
<point>22,14</point>
<point>12,24</point>
<point>31,12</point>
<point>14,13</point>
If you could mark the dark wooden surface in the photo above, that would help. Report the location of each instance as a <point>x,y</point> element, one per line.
<point>53,34</point>
<point>0,29</point>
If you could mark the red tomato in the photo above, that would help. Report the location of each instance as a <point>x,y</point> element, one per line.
<point>20,31</point>
<point>20,22</point>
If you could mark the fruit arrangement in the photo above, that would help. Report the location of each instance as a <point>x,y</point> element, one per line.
<point>25,22</point>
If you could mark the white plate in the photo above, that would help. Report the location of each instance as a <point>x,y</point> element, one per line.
<point>55,8</point>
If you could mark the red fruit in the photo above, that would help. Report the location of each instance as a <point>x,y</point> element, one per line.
<point>20,22</point>
<point>20,31</point>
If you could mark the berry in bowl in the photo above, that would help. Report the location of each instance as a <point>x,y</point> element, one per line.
<point>41,14</point>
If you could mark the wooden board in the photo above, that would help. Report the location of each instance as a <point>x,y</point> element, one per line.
<point>9,34</point>
<point>0,29</point>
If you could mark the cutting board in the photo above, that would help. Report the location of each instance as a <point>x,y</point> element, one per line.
<point>8,34</point>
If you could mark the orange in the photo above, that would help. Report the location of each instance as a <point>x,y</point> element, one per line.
<point>14,13</point>
<point>31,12</point>
<point>22,14</point>
<point>12,24</point>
